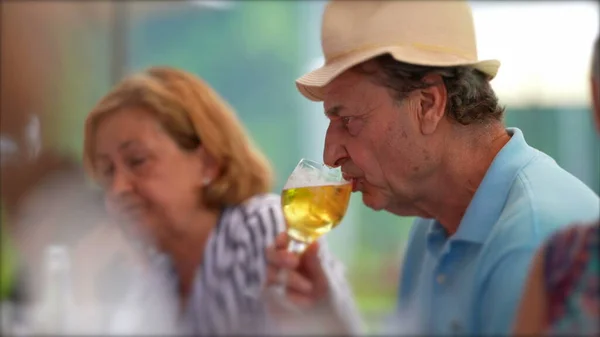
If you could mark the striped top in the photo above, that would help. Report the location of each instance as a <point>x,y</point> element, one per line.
<point>226,297</point>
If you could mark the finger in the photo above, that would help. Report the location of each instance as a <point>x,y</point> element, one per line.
<point>298,283</point>
<point>310,259</point>
<point>280,307</point>
<point>293,281</point>
<point>282,259</point>
<point>312,265</point>
<point>282,240</point>
<point>272,276</point>
<point>293,302</point>
<point>300,300</point>
<point>312,249</point>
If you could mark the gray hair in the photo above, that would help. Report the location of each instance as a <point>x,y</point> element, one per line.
<point>471,99</point>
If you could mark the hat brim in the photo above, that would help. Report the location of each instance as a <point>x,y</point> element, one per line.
<point>311,85</point>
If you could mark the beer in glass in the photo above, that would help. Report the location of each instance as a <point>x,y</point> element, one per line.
<point>314,200</point>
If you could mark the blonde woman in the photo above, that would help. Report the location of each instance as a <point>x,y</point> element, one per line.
<point>178,169</point>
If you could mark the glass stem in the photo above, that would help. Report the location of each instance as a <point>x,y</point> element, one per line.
<point>296,246</point>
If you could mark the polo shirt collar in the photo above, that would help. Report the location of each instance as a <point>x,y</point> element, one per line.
<point>490,198</point>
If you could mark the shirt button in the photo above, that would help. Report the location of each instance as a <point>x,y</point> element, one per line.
<point>441,278</point>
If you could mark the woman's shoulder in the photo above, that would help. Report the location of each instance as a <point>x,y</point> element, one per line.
<point>260,214</point>
<point>262,201</point>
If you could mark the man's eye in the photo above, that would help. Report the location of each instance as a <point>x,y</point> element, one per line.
<point>346,120</point>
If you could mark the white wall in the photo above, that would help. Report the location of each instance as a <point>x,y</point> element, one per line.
<point>545,49</point>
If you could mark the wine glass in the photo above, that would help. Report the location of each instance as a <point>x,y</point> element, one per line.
<point>314,200</point>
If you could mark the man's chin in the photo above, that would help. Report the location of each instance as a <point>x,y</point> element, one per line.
<point>379,202</point>
<point>374,202</point>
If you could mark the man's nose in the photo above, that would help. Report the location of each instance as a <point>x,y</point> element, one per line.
<point>334,151</point>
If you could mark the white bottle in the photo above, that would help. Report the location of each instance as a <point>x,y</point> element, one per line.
<point>54,311</point>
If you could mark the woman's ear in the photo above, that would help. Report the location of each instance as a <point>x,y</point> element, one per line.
<point>209,166</point>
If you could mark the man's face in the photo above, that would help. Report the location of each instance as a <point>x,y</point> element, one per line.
<point>381,144</point>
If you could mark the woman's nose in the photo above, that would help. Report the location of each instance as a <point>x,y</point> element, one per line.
<point>121,184</point>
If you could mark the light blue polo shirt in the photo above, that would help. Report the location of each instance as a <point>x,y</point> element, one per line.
<point>471,282</point>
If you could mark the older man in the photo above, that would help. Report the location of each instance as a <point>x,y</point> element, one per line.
<point>417,128</point>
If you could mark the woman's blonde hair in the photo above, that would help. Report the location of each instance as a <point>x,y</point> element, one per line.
<point>193,114</point>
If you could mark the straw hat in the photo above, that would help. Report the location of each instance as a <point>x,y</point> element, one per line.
<point>430,33</point>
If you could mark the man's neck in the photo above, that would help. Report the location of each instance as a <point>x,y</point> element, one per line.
<point>463,167</point>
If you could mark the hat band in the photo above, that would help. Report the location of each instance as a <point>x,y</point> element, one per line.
<point>421,46</point>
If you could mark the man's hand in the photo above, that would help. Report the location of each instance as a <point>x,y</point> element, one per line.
<point>305,284</point>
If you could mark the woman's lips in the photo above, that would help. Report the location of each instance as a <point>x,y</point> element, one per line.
<point>132,210</point>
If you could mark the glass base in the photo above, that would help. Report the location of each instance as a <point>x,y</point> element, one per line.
<point>296,246</point>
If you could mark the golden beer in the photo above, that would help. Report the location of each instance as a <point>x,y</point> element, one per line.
<point>312,211</point>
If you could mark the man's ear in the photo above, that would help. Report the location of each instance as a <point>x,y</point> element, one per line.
<point>432,105</point>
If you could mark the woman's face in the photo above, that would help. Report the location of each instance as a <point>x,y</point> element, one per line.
<point>149,182</point>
